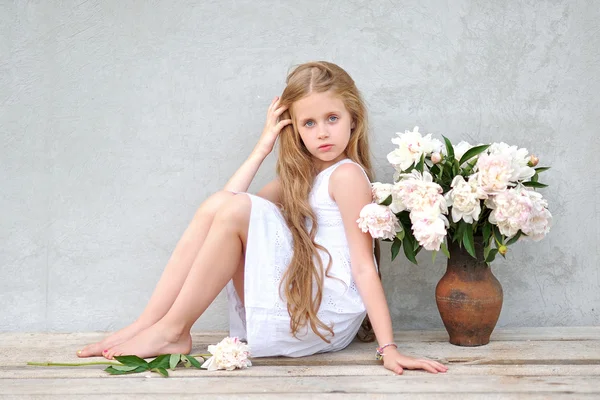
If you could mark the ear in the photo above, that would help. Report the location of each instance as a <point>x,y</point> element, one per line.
<point>353,125</point>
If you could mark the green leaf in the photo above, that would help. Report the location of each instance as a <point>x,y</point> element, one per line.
<point>468,242</point>
<point>174,360</point>
<point>409,249</point>
<point>449,148</point>
<point>541,169</point>
<point>487,231</point>
<point>387,201</point>
<point>113,371</point>
<point>124,368</point>
<point>472,152</point>
<point>396,248</point>
<point>186,362</point>
<point>491,255</point>
<point>132,361</point>
<point>514,238</point>
<point>400,235</point>
<point>455,167</point>
<point>161,371</point>
<point>534,184</point>
<point>421,164</point>
<point>193,361</point>
<point>497,234</point>
<point>161,361</point>
<point>445,249</point>
<point>460,232</point>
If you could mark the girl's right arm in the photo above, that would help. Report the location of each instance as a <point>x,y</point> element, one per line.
<point>242,178</point>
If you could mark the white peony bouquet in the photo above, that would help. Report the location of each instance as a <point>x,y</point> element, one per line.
<point>457,192</point>
<point>229,354</point>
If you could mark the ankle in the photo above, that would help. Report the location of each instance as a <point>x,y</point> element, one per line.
<point>173,331</point>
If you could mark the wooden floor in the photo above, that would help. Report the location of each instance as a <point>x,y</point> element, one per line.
<point>532,363</point>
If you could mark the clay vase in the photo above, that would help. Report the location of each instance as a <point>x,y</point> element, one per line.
<point>469,297</point>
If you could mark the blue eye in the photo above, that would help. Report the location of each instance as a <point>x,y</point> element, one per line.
<point>309,124</point>
<point>333,118</point>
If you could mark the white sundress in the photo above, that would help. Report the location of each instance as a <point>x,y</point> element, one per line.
<point>264,322</point>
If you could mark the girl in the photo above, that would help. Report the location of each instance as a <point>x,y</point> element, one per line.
<point>300,274</point>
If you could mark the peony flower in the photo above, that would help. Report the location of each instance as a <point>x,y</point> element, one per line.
<point>436,157</point>
<point>520,209</point>
<point>518,160</point>
<point>411,146</point>
<point>419,193</point>
<point>493,172</point>
<point>381,191</point>
<point>429,230</point>
<point>464,198</point>
<point>533,161</point>
<point>538,224</point>
<point>379,221</point>
<point>228,354</point>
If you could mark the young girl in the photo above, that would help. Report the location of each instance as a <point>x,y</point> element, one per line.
<point>300,274</point>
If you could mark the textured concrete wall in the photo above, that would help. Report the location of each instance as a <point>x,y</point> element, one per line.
<point>118,118</point>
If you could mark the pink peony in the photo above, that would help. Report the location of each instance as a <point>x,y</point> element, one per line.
<point>379,221</point>
<point>493,172</point>
<point>429,230</point>
<point>520,209</point>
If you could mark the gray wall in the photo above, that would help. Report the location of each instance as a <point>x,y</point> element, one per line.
<point>118,118</point>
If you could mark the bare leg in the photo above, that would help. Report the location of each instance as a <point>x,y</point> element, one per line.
<point>172,278</point>
<point>216,263</point>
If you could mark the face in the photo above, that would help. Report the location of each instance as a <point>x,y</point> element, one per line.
<point>324,125</point>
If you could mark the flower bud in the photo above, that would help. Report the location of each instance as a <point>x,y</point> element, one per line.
<point>436,157</point>
<point>533,161</point>
<point>502,249</point>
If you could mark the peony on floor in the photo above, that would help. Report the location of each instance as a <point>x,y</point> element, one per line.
<point>532,363</point>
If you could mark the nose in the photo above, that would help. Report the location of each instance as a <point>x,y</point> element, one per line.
<point>323,134</point>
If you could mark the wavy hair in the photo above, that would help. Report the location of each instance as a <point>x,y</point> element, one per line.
<point>296,171</point>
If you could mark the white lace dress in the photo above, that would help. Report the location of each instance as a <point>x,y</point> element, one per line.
<point>264,321</point>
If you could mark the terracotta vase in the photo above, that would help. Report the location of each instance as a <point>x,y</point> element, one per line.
<point>469,297</point>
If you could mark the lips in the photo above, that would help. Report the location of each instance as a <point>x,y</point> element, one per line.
<point>325,147</point>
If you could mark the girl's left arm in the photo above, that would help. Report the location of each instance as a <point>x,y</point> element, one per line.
<point>350,189</point>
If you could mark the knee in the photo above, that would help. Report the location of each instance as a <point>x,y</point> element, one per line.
<point>212,205</point>
<point>236,210</point>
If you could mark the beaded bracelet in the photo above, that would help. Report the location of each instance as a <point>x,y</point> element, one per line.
<point>380,350</point>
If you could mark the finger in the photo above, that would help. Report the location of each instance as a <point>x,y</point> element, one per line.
<point>283,123</point>
<point>440,367</point>
<point>398,369</point>
<point>429,368</point>
<point>273,102</point>
<point>279,111</point>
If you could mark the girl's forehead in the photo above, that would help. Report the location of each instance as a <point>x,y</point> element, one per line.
<point>317,103</point>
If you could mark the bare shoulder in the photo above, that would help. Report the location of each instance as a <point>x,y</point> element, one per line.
<point>349,179</point>
<point>271,191</point>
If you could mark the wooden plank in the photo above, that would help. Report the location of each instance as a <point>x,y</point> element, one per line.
<point>297,371</point>
<point>423,383</point>
<point>540,352</point>
<point>312,396</point>
<point>80,339</point>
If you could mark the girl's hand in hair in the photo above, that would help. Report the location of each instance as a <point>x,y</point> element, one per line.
<point>396,362</point>
<point>272,128</point>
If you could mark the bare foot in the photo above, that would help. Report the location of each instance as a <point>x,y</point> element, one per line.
<point>153,341</point>
<point>96,349</point>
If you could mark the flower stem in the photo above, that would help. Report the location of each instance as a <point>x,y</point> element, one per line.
<point>53,364</point>
<point>201,355</point>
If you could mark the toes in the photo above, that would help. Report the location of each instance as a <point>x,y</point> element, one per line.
<point>90,350</point>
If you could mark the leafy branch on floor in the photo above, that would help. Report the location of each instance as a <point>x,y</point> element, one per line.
<point>135,364</point>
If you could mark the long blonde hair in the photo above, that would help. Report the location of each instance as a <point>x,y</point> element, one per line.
<point>296,172</point>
